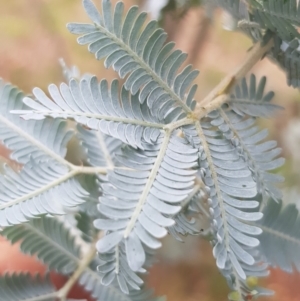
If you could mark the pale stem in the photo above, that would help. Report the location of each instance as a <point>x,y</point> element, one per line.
<point>63,292</point>
<point>104,149</point>
<point>177,124</point>
<point>89,170</point>
<point>148,186</point>
<point>218,95</point>
<point>73,115</point>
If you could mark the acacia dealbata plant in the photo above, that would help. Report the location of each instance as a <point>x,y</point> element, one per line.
<point>156,159</point>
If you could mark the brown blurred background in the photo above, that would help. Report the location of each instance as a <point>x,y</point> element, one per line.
<point>33,36</point>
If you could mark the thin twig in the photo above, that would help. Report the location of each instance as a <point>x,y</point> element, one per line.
<point>220,93</point>
<point>63,292</point>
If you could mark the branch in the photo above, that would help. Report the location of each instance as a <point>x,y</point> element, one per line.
<point>63,292</point>
<point>220,93</point>
<point>89,170</point>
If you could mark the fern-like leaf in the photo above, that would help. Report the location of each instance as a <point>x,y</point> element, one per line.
<point>55,238</point>
<point>228,182</point>
<point>278,16</point>
<point>61,253</point>
<point>138,202</point>
<point>137,51</point>
<point>39,140</point>
<point>249,99</point>
<point>98,107</point>
<point>35,191</point>
<point>92,282</point>
<point>23,287</point>
<point>238,125</point>
<point>280,240</point>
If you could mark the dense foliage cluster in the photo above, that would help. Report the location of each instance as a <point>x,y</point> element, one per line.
<point>154,159</point>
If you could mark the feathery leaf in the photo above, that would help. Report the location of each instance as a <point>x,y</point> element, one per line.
<point>23,287</point>
<point>49,240</point>
<point>238,125</point>
<point>39,140</point>
<point>280,240</point>
<point>60,252</point>
<point>138,202</point>
<point>137,51</point>
<point>228,183</point>
<point>37,190</point>
<point>98,107</point>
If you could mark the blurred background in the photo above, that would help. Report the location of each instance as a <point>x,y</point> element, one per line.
<point>33,36</point>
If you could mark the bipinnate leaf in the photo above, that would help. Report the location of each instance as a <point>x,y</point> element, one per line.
<point>36,190</point>
<point>139,204</point>
<point>39,140</point>
<point>280,239</point>
<point>58,242</point>
<point>23,286</point>
<point>138,52</point>
<point>238,124</point>
<point>98,107</point>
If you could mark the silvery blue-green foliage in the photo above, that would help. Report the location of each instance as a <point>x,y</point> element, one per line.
<point>235,160</point>
<point>28,139</point>
<point>280,240</point>
<point>25,287</point>
<point>250,100</point>
<point>97,106</point>
<point>54,244</point>
<point>99,148</point>
<point>56,241</point>
<point>138,202</point>
<point>229,184</point>
<point>139,54</point>
<point>33,191</point>
<point>38,189</point>
<point>246,104</point>
<point>153,159</point>
<point>282,19</point>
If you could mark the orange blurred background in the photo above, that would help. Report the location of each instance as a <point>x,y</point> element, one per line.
<point>33,36</point>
